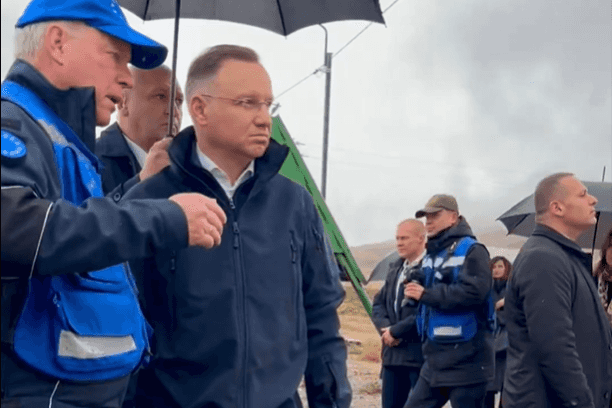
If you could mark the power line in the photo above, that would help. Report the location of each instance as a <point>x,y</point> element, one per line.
<point>361,32</point>
<point>322,67</point>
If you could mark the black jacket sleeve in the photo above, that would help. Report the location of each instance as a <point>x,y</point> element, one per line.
<point>402,328</point>
<point>380,316</point>
<point>121,189</point>
<point>326,375</point>
<point>41,233</point>
<point>472,286</point>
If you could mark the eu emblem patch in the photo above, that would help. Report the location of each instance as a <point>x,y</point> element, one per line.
<point>12,146</point>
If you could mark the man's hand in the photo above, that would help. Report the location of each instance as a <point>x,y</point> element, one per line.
<point>157,159</point>
<point>388,339</point>
<point>205,219</point>
<point>413,291</point>
<point>500,304</point>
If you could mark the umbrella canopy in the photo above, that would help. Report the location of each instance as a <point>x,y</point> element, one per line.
<point>520,219</point>
<point>280,16</point>
<point>380,271</point>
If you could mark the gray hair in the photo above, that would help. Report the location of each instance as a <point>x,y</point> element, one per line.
<point>29,39</point>
<point>206,66</point>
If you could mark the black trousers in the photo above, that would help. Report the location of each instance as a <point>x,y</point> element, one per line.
<point>397,381</point>
<point>464,396</point>
<point>24,387</point>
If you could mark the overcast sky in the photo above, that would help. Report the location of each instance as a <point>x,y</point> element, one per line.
<point>475,98</point>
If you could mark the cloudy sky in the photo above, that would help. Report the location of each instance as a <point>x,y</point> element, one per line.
<point>475,98</point>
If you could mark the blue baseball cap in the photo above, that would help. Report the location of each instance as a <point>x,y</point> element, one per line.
<point>103,15</point>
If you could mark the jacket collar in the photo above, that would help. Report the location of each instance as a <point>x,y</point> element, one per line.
<point>75,106</point>
<point>567,244</point>
<point>181,153</point>
<point>446,237</point>
<point>112,143</point>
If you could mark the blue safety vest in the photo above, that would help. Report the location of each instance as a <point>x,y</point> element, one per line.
<point>79,327</point>
<point>448,326</point>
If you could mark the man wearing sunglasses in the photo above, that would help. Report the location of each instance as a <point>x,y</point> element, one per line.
<point>240,325</point>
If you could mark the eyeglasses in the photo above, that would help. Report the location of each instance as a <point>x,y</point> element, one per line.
<point>250,104</point>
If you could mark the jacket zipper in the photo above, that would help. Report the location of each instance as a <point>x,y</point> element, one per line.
<point>241,297</point>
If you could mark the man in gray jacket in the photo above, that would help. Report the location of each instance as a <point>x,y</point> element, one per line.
<point>560,351</point>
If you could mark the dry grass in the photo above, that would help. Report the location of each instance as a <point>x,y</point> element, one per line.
<point>364,342</point>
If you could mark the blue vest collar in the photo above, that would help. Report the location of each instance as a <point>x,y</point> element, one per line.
<point>75,106</point>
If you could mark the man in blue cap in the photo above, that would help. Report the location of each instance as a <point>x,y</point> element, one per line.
<point>72,329</point>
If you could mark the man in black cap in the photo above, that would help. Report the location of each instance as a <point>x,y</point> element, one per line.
<point>456,311</point>
<point>72,329</point>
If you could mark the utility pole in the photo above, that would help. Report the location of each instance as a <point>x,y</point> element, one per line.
<point>328,62</point>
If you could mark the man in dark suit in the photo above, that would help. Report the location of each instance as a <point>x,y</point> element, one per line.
<point>395,317</point>
<point>560,346</point>
<point>135,147</point>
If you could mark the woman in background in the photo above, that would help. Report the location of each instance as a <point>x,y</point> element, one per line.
<point>500,269</point>
<point>603,274</point>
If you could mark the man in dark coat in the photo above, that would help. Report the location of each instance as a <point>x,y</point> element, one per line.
<point>560,345</point>
<point>240,325</point>
<point>135,147</point>
<point>395,316</point>
<point>459,360</point>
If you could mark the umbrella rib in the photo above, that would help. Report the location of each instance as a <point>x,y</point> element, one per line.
<point>146,10</point>
<point>282,18</point>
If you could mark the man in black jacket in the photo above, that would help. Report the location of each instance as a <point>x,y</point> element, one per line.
<point>459,358</point>
<point>240,325</point>
<point>560,345</point>
<point>394,316</point>
<point>135,147</point>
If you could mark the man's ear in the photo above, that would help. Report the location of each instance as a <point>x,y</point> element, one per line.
<point>55,42</point>
<point>556,208</point>
<point>122,104</point>
<point>198,110</point>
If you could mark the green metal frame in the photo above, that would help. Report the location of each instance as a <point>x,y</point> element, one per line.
<point>295,169</point>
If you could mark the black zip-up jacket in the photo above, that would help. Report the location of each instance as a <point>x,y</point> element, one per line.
<point>403,326</point>
<point>120,167</point>
<point>560,351</point>
<point>240,324</point>
<point>45,235</point>
<point>470,362</point>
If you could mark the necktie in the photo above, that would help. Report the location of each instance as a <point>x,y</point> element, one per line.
<point>399,294</point>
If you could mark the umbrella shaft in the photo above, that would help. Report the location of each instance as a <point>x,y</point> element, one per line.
<point>177,17</point>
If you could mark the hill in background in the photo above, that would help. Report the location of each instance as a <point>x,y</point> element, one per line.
<point>493,237</point>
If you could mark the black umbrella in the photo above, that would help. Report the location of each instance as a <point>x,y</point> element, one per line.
<point>280,16</point>
<point>520,219</point>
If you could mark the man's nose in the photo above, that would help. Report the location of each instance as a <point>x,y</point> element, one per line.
<point>263,118</point>
<point>124,78</point>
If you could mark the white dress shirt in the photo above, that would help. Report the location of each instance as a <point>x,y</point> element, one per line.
<point>139,153</point>
<point>221,176</point>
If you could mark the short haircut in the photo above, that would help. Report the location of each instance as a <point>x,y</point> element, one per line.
<point>29,39</point>
<point>206,66</point>
<point>417,226</point>
<point>548,190</point>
